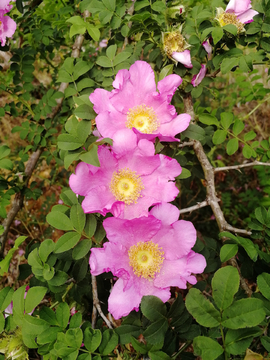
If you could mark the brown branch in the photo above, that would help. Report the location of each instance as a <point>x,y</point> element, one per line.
<point>32,162</point>
<point>214,74</point>
<point>240,166</point>
<point>185,143</point>
<point>97,304</point>
<point>194,207</point>
<point>209,175</point>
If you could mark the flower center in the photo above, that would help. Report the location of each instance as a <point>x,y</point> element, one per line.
<point>230,18</point>
<point>146,259</point>
<point>143,118</point>
<point>126,186</point>
<point>174,42</point>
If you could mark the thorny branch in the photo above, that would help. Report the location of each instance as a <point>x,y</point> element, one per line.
<point>32,162</point>
<point>240,166</point>
<point>212,199</point>
<point>97,305</point>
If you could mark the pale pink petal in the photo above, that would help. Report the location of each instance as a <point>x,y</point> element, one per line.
<point>124,233</point>
<point>197,79</point>
<point>79,182</point>
<point>99,199</point>
<point>4,6</point>
<point>139,209</point>
<point>168,85</point>
<point>7,28</point>
<point>171,274</point>
<point>121,77</point>
<point>185,236</point>
<point>124,141</point>
<point>120,302</point>
<point>165,212</point>
<point>238,6</point>
<point>207,46</point>
<point>176,126</point>
<point>101,100</point>
<point>183,57</point>
<point>108,123</point>
<point>110,258</point>
<point>196,263</point>
<point>247,16</point>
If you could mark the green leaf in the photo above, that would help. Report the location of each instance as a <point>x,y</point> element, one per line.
<point>2,323</point>
<point>85,83</point>
<point>155,333</point>
<point>250,135</point>
<point>247,151</point>
<point>59,278</point>
<point>4,151</point>
<point>194,132</point>
<point>74,337</point>
<point>91,225</point>
<point>167,70</point>
<point>48,315</point>
<point>6,164</point>
<point>126,331</point>
<point>4,264</point>
<point>62,314</point>
<point>45,249</point>
<point>153,308</point>
<point>33,325</point>
<point>66,242</point>
<point>75,320</point>
<point>81,249</point>
<point>249,247</point>
<point>109,342</point>
<point>91,157</point>
<point>68,142</point>
<point>228,63</point>
<point>5,297</point>
<point>111,51</point>
<point>208,119</point>
<point>217,34</point>
<point>237,341</point>
<point>184,174</point>
<point>243,313</point>
<point>76,29</point>
<point>263,281</point>
<point>77,217</point>
<point>202,309</point>
<point>206,348</point>
<point>69,197</point>
<point>18,304</point>
<point>59,220</point>
<point>92,339</point>
<point>226,120</point>
<point>84,111</point>
<point>121,57</point>
<point>261,215</point>
<point>238,127</point>
<point>158,355</point>
<point>33,298</point>
<point>104,61</point>
<point>232,29</point>
<point>225,284</point>
<point>232,146</point>
<point>228,251</point>
<point>80,69</point>
<point>48,336</point>
<point>93,31</point>
<point>219,137</point>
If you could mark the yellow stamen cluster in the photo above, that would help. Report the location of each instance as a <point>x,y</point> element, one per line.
<point>230,18</point>
<point>146,259</point>
<point>143,118</point>
<point>126,186</point>
<point>174,42</point>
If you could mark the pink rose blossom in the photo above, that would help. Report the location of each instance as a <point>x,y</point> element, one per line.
<point>207,46</point>
<point>135,104</point>
<point>129,180</point>
<point>197,79</point>
<point>7,27</point>
<point>148,255</point>
<point>4,6</point>
<point>183,57</point>
<point>103,43</point>
<point>242,9</point>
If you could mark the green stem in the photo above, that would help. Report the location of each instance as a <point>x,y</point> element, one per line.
<point>256,107</point>
<point>223,341</point>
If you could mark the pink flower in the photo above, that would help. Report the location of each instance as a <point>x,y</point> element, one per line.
<point>103,43</point>
<point>148,255</point>
<point>129,180</point>
<point>135,104</point>
<point>183,57</point>
<point>4,6</point>
<point>17,222</point>
<point>197,79</point>
<point>237,13</point>
<point>7,27</point>
<point>242,9</point>
<point>207,46</point>
<point>175,46</point>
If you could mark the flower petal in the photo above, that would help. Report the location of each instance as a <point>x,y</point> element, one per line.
<point>167,213</point>
<point>4,6</point>
<point>127,233</point>
<point>176,126</point>
<point>8,28</point>
<point>99,199</point>
<point>171,274</point>
<point>168,85</point>
<point>101,100</point>
<point>238,6</point>
<point>207,46</point>
<point>247,16</point>
<point>120,302</point>
<point>197,79</point>
<point>183,57</point>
